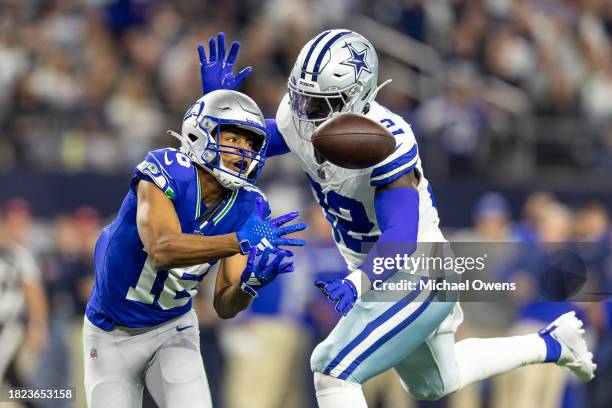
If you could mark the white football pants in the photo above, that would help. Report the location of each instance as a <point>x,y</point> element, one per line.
<point>119,362</point>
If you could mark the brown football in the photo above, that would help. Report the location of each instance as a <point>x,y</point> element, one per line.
<point>353,141</point>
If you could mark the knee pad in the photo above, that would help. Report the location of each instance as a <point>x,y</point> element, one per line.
<point>323,382</point>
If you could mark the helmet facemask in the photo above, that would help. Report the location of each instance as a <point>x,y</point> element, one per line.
<point>310,109</point>
<point>242,163</point>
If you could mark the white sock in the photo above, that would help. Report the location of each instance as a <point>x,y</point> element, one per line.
<point>335,393</point>
<point>478,359</point>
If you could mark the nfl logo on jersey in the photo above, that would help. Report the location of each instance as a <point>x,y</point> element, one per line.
<point>93,353</point>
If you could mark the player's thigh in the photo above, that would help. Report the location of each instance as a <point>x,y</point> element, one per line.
<point>375,336</point>
<point>430,371</point>
<point>176,375</point>
<point>109,381</point>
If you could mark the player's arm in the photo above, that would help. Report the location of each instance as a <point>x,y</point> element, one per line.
<point>229,299</point>
<point>240,277</point>
<point>160,232</point>
<point>397,212</point>
<point>276,145</point>
<point>216,72</point>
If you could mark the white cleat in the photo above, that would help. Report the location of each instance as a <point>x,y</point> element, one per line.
<point>575,356</point>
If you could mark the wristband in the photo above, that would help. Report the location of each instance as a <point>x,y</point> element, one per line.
<point>360,281</point>
<point>248,289</point>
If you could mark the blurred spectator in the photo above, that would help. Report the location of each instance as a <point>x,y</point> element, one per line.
<point>456,121</point>
<point>599,393</point>
<point>543,385</point>
<point>492,235</point>
<point>18,221</point>
<point>23,308</point>
<point>592,223</point>
<point>68,279</point>
<point>492,221</point>
<point>134,113</point>
<point>533,209</point>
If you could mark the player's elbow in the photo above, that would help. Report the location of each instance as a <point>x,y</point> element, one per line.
<point>160,260</point>
<point>225,315</point>
<point>226,305</point>
<point>161,254</point>
<point>223,311</point>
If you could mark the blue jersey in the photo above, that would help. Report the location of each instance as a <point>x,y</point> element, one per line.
<point>128,291</point>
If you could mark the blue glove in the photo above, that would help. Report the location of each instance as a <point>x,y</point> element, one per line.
<point>257,276</point>
<point>342,292</point>
<point>216,73</point>
<point>259,233</point>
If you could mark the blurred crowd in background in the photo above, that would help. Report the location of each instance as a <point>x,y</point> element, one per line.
<point>523,93</point>
<point>93,84</point>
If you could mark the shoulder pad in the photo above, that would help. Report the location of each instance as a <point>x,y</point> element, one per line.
<point>168,168</point>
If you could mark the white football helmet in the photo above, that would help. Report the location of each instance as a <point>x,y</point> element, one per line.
<point>202,126</point>
<point>336,71</point>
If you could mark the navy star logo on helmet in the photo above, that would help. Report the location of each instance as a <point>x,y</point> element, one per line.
<point>357,60</point>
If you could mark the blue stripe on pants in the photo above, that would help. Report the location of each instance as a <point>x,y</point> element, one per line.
<point>371,327</point>
<point>349,370</point>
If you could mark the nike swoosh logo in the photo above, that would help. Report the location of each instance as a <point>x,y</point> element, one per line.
<point>181,328</point>
<point>168,162</point>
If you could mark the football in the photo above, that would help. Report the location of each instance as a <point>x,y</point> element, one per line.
<point>353,141</point>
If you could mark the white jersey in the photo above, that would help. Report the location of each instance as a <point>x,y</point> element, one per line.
<point>347,196</point>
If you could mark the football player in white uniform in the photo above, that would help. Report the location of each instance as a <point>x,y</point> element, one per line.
<point>337,71</point>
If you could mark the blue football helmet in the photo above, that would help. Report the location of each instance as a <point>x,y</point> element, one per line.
<point>201,131</point>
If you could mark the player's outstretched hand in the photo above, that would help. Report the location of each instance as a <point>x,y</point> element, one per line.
<point>216,72</point>
<point>257,276</point>
<point>261,234</point>
<point>342,292</point>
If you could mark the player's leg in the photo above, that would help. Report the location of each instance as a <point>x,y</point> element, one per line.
<point>111,369</point>
<point>176,376</point>
<point>372,338</point>
<point>562,342</point>
<point>441,366</point>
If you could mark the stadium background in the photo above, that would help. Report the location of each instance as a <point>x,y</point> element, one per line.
<point>511,102</point>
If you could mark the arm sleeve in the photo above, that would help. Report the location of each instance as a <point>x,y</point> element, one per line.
<point>397,212</point>
<point>277,145</point>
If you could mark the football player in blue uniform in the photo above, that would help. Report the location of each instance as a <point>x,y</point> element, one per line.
<point>390,202</point>
<point>185,211</point>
